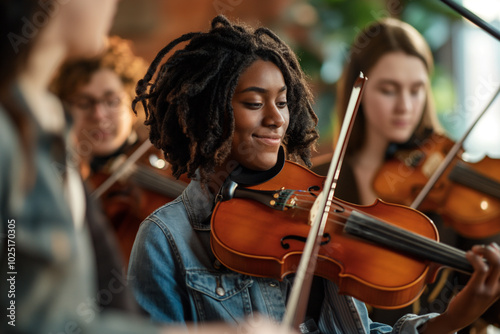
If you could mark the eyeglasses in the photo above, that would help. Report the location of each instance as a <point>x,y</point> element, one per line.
<point>87,105</point>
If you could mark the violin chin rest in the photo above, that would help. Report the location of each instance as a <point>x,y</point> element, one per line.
<point>247,177</point>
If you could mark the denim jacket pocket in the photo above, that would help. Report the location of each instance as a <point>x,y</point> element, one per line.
<point>220,296</point>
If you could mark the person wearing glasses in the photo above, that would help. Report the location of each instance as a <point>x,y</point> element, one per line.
<point>98,93</point>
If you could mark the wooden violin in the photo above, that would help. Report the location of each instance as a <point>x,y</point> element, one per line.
<point>383,254</point>
<point>466,194</point>
<point>128,194</point>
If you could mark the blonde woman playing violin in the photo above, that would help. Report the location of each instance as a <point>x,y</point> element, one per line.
<point>396,112</point>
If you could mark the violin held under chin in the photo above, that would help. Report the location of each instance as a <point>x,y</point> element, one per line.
<point>467,194</point>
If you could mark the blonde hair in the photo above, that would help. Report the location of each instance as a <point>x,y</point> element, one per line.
<point>376,40</point>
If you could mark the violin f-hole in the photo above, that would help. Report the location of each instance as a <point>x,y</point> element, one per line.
<point>313,189</point>
<point>286,245</point>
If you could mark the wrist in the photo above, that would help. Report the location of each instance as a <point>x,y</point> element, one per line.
<point>422,327</point>
<point>440,324</point>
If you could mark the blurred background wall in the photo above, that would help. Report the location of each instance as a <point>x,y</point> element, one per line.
<point>466,76</point>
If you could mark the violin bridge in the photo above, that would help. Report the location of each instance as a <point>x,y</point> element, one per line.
<point>283,200</point>
<point>290,201</point>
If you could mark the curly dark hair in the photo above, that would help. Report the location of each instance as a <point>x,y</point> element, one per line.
<point>188,106</point>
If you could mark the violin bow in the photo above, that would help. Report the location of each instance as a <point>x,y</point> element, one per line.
<point>473,18</point>
<point>117,174</point>
<point>299,295</point>
<point>458,144</point>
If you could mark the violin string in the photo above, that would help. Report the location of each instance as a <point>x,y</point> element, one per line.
<point>408,241</point>
<point>469,177</point>
<point>304,197</point>
<point>156,182</point>
<point>429,245</point>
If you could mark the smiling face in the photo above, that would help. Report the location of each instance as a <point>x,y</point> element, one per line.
<point>261,116</point>
<point>103,117</point>
<point>394,97</point>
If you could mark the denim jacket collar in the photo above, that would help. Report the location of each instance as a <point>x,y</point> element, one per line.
<point>199,203</point>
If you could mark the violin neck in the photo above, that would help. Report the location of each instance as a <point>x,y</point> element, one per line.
<point>151,180</point>
<point>466,176</point>
<point>371,229</point>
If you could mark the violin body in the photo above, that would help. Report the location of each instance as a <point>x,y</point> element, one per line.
<point>402,178</point>
<point>474,202</point>
<point>255,239</point>
<point>467,195</point>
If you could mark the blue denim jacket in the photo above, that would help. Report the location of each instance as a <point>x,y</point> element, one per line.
<point>176,277</point>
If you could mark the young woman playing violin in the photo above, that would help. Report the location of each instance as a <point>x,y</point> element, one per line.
<point>396,112</point>
<point>229,99</point>
<point>98,91</point>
